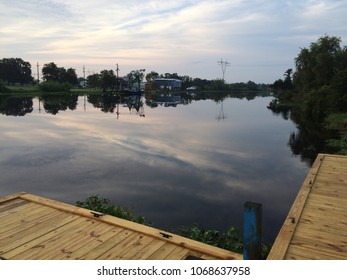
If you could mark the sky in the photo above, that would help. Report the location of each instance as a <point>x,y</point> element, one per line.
<point>259,38</point>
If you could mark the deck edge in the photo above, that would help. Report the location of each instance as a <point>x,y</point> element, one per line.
<point>11,196</point>
<point>285,235</point>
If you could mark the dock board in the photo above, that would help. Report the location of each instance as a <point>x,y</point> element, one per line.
<point>316,225</point>
<point>37,228</point>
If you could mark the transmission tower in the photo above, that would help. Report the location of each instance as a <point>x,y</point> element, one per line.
<point>224,65</point>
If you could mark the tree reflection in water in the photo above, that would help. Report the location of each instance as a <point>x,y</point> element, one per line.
<point>310,138</point>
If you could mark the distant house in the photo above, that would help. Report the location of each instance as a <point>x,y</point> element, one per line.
<point>170,84</point>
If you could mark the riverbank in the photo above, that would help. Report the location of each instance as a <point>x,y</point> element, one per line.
<point>34,91</point>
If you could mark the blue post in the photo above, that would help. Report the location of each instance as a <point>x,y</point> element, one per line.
<point>252,231</point>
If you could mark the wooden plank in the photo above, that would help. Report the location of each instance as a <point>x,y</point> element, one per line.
<point>9,204</point>
<point>126,244</point>
<point>207,257</point>
<point>148,250</point>
<point>46,247</point>
<point>11,221</point>
<point>334,240</point>
<point>326,225</point>
<point>162,252</point>
<point>34,229</point>
<point>321,213</point>
<point>285,235</point>
<point>175,239</point>
<point>23,237</point>
<point>92,246</point>
<point>333,176</point>
<point>78,239</point>
<point>334,162</point>
<point>11,197</point>
<point>328,187</point>
<point>36,241</point>
<point>179,253</point>
<point>139,244</point>
<point>30,221</point>
<point>337,171</point>
<point>317,248</point>
<point>330,191</point>
<point>21,209</point>
<point>50,203</point>
<point>20,220</point>
<point>327,204</point>
<point>107,245</point>
<point>296,252</point>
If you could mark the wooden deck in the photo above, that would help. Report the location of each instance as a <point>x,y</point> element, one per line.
<point>316,226</point>
<point>36,228</point>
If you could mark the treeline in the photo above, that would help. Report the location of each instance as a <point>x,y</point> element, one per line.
<point>16,71</point>
<point>316,93</point>
<point>205,85</point>
<point>319,82</point>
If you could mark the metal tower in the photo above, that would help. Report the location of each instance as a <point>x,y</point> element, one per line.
<point>224,65</point>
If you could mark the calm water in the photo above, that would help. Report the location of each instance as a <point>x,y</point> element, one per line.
<point>196,162</point>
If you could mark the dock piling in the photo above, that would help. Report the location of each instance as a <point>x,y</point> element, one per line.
<point>252,231</point>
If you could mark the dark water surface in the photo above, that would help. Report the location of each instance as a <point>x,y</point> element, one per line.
<point>197,162</point>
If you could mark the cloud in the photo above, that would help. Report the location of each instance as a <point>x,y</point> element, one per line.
<point>188,37</point>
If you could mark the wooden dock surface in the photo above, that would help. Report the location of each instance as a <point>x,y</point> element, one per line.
<point>36,228</point>
<point>316,226</point>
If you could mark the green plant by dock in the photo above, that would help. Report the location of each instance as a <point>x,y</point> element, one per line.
<point>230,240</point>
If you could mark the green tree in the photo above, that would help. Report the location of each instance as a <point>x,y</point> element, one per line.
<point>218,84</point>
<point>94,81</point>
<point>288,82</point>
<point>186,81</point>
<point>15,70</point>
<point>316,66</point>
<point>135,78</point>
<point>51,72</point>
<point>318,84</point>
<point>151,76</point>
<point>108,80</point>
<point>70,76</point>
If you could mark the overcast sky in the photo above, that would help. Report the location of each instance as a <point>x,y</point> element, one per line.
<point>260,38</point>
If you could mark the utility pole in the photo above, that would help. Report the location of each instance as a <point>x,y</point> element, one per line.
<point>38,73</point>
<point>224,65</point>
<point>117,70</point>
<point>84,76</point>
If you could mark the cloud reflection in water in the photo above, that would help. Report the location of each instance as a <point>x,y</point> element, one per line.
<point>176,166</point>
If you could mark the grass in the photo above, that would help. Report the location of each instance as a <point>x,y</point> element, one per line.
<point>33,91</point>
<point>338,121</point>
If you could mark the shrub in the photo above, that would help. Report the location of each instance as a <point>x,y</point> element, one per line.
<point>3,88</point>
<point>230,240</point>
<point>103,205</point>
<point>52,86</point>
